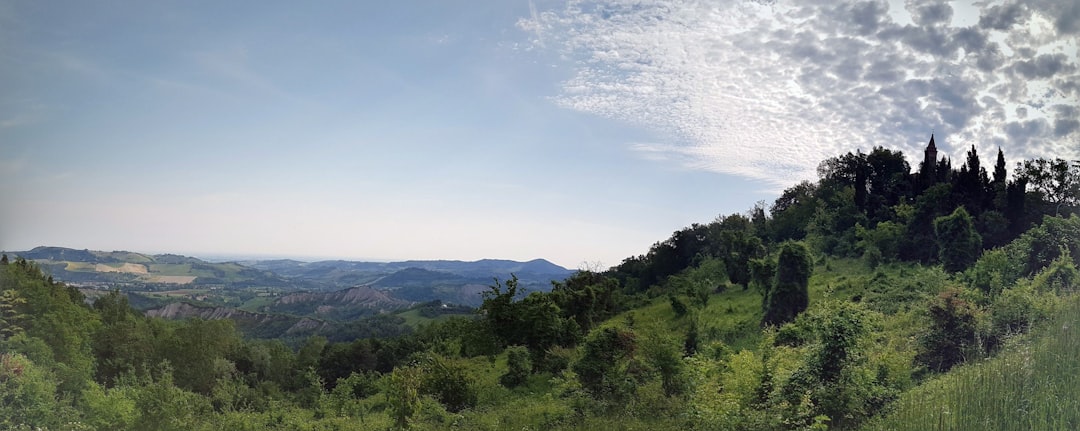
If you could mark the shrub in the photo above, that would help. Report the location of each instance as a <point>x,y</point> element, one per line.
<point>953,331</point>
<point>448,382</point>
<point>518,367</point>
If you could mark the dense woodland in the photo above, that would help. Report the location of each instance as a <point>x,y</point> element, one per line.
<point>870,299</point>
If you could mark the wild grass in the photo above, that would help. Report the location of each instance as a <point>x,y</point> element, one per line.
<point>171,269</point>
<point>414,319</point>
<point>1033,385</point>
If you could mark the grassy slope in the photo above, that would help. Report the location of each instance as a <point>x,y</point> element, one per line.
<point>1034,385</point>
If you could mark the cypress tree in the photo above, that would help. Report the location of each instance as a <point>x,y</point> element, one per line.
<point>999,168</point>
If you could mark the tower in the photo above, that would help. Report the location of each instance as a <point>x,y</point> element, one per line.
<point>928,170</point>
<point>931,153</point>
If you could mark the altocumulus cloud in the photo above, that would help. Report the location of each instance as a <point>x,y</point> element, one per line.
<point>767,89</point>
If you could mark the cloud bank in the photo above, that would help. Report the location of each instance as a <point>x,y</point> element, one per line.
<point>767,89</point>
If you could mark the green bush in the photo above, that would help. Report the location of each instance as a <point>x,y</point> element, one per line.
<point>518,367</point>
<point>447,381</point>
<point>953,332</point>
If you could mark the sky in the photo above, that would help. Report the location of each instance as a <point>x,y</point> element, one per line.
<point>581,132</point>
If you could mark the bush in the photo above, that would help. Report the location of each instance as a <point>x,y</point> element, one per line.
<point>959,244</point>
<point>448,382</point>
<point>953,332</point>
<point>677,305</point>
<point>1016,310</point>
<point>518,367</point>
<point>602,369</point>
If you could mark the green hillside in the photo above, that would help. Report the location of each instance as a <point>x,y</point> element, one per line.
<point>128,270</point>
<point>875,298</point>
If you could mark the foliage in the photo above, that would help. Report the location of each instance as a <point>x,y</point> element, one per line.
<point>1060,276</point>
<point>1057,181</point>
<point>664,355</point>
<point>11,320</point>
<point>447,381</point>
<point>518,367</point>
<point>403,394</point>
<point>834,376</point>
<point>789,296</point>
<point>959,244</point>
<point>1034,384</point>
<point>953,335</point>
<point>880,244</point>
<point>668,344</point>
<point>602,369</point>
<point>27,394</point>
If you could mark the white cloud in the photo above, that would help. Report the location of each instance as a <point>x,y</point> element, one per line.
<point>768,89</point>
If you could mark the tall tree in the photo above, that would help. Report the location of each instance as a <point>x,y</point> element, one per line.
<point>731,239</point>
<point>959,244</point>
<point>1057,182</point>
<point>792,212</point>
<point>888,180</point>
<point>789,295</point>
<point>999,168</point>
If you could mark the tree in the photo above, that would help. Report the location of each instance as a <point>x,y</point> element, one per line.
<point>762,275</point>
<point>500,311</point>
<point>972,185</point>
<point>11,320</point>
<point>28,395</point>
<point>124,343</point>
<point>887,181</point>
<point>690,342</point>
<point>587,297</point>
<point>663,354</point>
<point>789,295</point>
<point>601,369</point>
<point>403,394</point>
<point>959,244</point>
<point>1000,172</point>
<point>792,212</point>
<point>1057,182</point>
<point>731,239</point>
<point>194,348</point>
<point>518,367</point>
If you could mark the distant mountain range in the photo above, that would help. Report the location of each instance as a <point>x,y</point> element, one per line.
<point>401,283</point>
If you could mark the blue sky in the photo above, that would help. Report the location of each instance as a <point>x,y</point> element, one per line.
<point>580,132</point>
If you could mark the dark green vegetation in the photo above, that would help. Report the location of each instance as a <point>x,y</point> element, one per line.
<point>874,298</point>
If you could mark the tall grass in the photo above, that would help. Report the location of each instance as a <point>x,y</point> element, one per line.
<point>1033,385</point>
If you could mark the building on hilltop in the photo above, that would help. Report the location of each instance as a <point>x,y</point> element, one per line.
<point>932,170</point>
